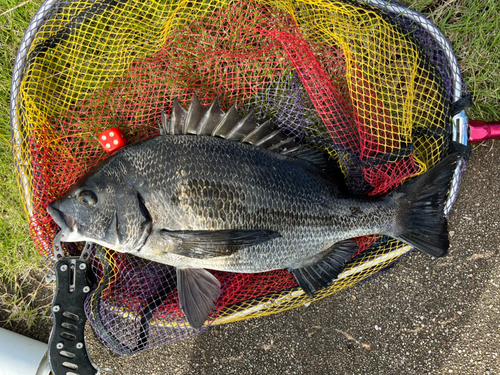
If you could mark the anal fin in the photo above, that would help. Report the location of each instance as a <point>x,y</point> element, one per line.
<point>198,290</point>
<point>323,269</point>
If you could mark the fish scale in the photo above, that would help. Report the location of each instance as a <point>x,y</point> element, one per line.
<point>290,200</point>
<point>209,193</point>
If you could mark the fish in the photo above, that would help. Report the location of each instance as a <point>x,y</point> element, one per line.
<point>217,191</point>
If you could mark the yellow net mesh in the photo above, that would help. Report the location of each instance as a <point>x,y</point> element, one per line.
<point>373,89</point>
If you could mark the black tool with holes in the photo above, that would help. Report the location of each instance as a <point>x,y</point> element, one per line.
<point>67,351</point>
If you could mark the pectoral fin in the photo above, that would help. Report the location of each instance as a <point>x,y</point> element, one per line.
<point>209,244</point>
<point>198,290</point>
<point>323,269</point>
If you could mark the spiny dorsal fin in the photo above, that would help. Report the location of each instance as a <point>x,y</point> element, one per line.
<point>229,125</point>
<point>213,121</point>
<point>176,122</point>
<point>242,128</point>
<point>193,117</point>
<point>211,118</point>
<point>227,122</point>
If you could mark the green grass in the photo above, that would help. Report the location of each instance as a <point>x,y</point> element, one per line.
<point>473,27</point>
<point>21,304</point>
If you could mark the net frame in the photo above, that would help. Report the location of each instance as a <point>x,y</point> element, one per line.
<point>460,121</point>
<point>295,297</point>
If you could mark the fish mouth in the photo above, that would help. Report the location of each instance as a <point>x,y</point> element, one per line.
<point>65,222</point>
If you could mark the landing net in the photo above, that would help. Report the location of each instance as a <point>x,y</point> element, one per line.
<point>374,82</point>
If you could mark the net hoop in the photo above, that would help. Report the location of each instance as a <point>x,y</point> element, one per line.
<point>293,297</point>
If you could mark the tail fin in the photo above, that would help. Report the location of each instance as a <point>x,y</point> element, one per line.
<point>420,211</point>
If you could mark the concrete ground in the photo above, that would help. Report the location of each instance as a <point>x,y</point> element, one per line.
<point>423,316</point>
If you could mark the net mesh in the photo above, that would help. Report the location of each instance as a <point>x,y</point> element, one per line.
<point>372,87</point>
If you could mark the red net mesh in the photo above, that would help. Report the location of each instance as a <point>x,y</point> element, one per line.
<point>374,92</point>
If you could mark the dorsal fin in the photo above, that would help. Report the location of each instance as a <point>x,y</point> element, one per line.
<point>211,118</point>
<point>193,116</point>
<point>231,125</point>
<point>175,124</point>
<point>227,123</point>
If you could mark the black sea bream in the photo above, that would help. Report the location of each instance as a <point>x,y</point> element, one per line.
<point>217,191</point>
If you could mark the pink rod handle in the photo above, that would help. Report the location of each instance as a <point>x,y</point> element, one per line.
<point>482,130</point>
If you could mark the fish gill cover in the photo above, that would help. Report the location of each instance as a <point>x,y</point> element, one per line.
<point>372,87</point>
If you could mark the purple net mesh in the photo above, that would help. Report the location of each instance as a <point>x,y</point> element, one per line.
<point>265,60</point>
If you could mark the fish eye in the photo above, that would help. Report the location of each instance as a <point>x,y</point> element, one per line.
<point>87,198</point>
